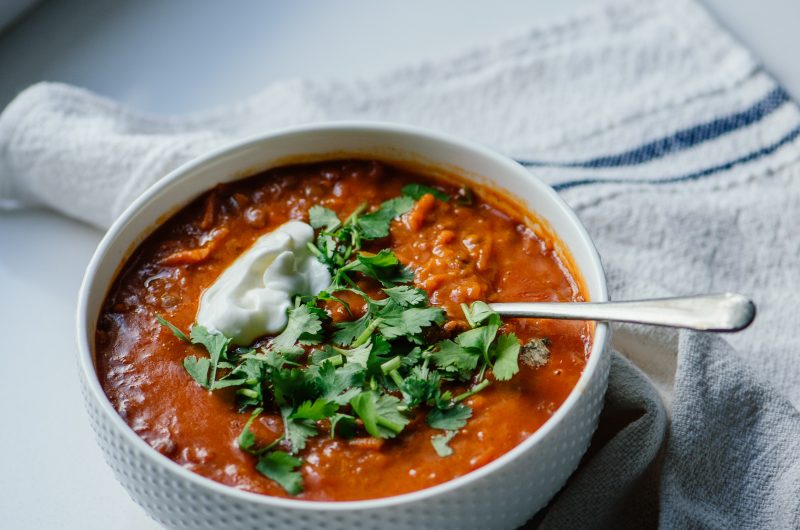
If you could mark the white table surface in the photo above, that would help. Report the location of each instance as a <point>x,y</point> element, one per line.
<point>175,57</point>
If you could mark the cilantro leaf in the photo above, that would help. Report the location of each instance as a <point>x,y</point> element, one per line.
<point>389,415</point>
<point>365,262</point>
<point>450,356</point>
<point>409,322</point>
<point>398,206</point>
<point>293,386</point>
<point>346,332</point>
<point>345,423</point>
<point>250,374</point>
<point>297,431</point>
<point>450,419</point>
<point>480,339</point>
<point>406,296</point>
<point>364,406</point>
<point>327,353</point>
<point>379,413</point>
<point>173,328</point>
<point>440,442</point>
<point>359,355</point>
<point>325,250</point>
<point>317,410</point>
<point>421,386</point>
<point>375,225</point>
<point>506,353</point>
<point>411,358</point>
<point>339,385</point>
<point>246,438</point>
<point>321,217</point>
<point>416,191</point>
<point>198,369</point>
<point>477,312</point>
<point>282,468</point>
<point>303,324</point>
<point>383,266</point>
<point>215,343</point>
<point>226,382</point>
<point>380,346</point>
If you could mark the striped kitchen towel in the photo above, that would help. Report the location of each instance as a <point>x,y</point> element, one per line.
<point>678,151</point>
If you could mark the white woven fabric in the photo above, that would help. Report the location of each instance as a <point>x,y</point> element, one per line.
<point>602,80</point>
<point>677,150</point>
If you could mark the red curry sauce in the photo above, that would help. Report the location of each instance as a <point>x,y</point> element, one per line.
<point>460,253</point>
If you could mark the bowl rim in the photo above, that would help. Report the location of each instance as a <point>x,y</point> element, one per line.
<point>92,382</point>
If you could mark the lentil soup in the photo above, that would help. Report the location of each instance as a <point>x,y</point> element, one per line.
<point>474,246</point>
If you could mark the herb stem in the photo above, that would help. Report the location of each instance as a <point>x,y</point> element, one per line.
<point>465,309</point>
<point>352,217</point>
<point>328,296</point>
<point>367,333</point>
<point>392,426</point>
<point>343,274</point>
<point>269,446</point>
<point>486,360</point>
<point>336,360</point>
<point>391,365</point>
<point>314,250</point>
<point>472,391</point>
<point>397,378</point>
<point>482,372</point>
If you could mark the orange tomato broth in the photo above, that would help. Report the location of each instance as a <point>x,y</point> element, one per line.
<point>459,253</point>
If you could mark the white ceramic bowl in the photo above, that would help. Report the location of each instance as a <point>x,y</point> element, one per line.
<point>502,494</point>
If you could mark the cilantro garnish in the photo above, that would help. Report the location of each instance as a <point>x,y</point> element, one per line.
<point>440,442</point>
<point>380,413</point>
<point>282,468</point>
<point>303,325</point>
<point>370,375</point>
<point>375,225</point>
<point>198,369</point>
<point>451,357</point>
<point>321,217</point>
<point>450,419</point>
<point>173,328</point>
<point>203,370</point>
<point>416,191</point>
<point>247,440</point>
<point>506,355</point>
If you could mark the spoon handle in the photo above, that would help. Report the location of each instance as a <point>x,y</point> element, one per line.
<point>709,312</point>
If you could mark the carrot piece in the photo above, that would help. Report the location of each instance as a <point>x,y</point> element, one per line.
<point>424,206</point>
<point>445,237</point>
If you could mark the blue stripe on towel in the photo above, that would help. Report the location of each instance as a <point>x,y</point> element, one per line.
<point>764,151</point>
<point>680,140</point>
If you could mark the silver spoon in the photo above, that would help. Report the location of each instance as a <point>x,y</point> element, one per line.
<point>708,312</point>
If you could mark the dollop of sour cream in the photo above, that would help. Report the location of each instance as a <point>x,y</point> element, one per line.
<point>251,297</point>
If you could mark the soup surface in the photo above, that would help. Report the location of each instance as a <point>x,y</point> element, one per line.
<point>461,250</point>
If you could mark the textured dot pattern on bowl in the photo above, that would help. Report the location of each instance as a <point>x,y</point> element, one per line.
<point>502,494</point>
<point>504,499</point>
